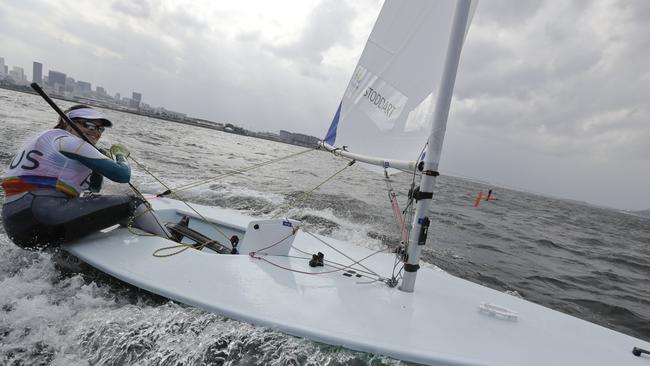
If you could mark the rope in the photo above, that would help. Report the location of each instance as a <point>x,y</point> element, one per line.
<point>173,192</point>
<point>341,264</point>
<point>305,195</point>
<point>345,255</point>
<point>293,232</point>
<point>339,269</point>
<point>179,248</point>
<point>196,184</point>
<point>184,248</point>
<point>182,200</point>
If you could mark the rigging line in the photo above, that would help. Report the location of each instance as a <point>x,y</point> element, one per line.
<point>305,195</point>
<point>336,263</point>
<point>293,232</point>
<point>183,247</point>
<point>339,266</point>
<point>345,255</point>
<point>399,216</point>
<point>324,272</point>
<point>395,264</point>
<point>239,171</point>
<point>180,199</point>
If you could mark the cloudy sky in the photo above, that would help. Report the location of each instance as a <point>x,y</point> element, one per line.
<point>551,97</point>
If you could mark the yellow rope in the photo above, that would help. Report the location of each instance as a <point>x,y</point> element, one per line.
<point>184,247</point>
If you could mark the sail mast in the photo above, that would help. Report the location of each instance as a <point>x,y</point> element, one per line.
<point>420,224</point>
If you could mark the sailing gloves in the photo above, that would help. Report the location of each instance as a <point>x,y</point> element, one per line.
<point>118,149</point>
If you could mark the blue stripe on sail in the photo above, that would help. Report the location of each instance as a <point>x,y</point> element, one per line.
<point>331,133</point>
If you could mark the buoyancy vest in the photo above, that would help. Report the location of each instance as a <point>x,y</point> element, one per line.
<point>41,164</point>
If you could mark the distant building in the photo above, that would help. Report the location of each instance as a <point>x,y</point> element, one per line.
<point>135,100</point>
<point>2,66</point>
<point>37,73</point>
<point>268,136</point>
<point>18,75</point>
<point>83,87</point>
<point>162,112</point>
<point>298,138</point>
<point>70,84</point>
<point>56,80</point>
<point>100,90</point>
<point>118,97</point>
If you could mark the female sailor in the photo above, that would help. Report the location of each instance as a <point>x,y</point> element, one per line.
<point>43,186</point>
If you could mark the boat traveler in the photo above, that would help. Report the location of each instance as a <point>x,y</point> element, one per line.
<point>50,183</point>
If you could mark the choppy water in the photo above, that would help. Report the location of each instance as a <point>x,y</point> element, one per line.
<point>589,262</point>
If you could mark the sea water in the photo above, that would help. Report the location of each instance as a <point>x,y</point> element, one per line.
<point>590,262</point>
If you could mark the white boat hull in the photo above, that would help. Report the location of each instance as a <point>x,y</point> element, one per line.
<point>440,323</point>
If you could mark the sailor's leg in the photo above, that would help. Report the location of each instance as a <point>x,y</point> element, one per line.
<point>22,227</point>
<point>80,216</point>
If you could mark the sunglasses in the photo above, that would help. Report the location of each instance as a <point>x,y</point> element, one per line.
<point>91,126</point>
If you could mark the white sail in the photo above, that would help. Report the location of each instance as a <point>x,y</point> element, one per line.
<point>386,107</point>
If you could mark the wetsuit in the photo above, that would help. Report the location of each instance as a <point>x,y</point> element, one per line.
<point>43,184</point>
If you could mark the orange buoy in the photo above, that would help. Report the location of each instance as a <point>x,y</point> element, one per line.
<point>478,199</point>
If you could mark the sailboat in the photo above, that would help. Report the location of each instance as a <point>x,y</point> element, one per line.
<point>272,273</point>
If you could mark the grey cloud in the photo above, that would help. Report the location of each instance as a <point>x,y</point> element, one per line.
<point>134,8</point>
<point>327,26</point>
<point>542,86</point>
<point>508,13</point>
<point>248,36</point>
<point>559,81</point>
<point>181,20</point>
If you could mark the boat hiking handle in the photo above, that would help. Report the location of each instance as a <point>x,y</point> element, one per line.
<point>63,116</point>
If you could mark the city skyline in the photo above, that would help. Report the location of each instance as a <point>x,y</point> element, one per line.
<point>61,84</point>
<point>62,78</point>
<point>550,97</point>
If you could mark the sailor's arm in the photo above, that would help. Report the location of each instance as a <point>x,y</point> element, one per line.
<point>118,171</point>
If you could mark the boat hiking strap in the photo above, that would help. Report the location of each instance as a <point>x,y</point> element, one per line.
<point>238,171</point>
<point>305,195</point>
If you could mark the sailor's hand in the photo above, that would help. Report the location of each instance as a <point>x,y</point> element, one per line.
<point>118,149</point>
